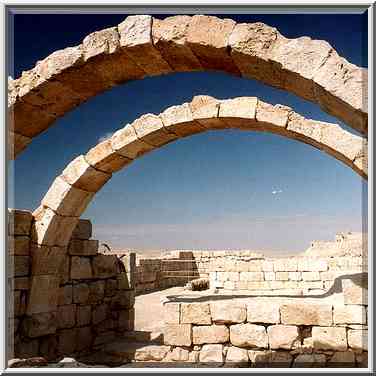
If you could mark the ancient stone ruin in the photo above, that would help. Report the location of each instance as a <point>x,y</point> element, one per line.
<point>69,300</point>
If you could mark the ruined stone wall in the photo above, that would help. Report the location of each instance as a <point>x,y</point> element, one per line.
<point>94,294</point>
<point>270,332</point>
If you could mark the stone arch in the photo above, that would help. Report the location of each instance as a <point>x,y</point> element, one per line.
<point>145,46</point>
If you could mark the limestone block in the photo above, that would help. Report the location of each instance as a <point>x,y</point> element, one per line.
<point>151,353</point>
<point>207,37</point>
<point>19,222</point>
<point>65,295</point>
<point>350,314</point>
<point>280,359</point>
<point>111,287</point>
<point>178,334</point>
<point>211,354</point>
<point>136,40</point>
<point>258,285</point>
<point>64,271</point>
<point>104,158</point>
<point>310,276</point>
<point>21,283</point>
<point>239,112</point>
<point>312,264</point>
<point>309,361</point>
<point>96,291</point>
<point>355,291</point>
<point>210,334</point>
<point>228,312</point>
<point>79,247</point>
<point>306,314</point>
<point>149,128</point>
<point>99,313</point>
<point>126,319</point>
<point>169,37</point>
<point>285,265</point>
<point>65,199</point>
<point>283,336</point>
<point>195,313</point>
<point>105,266</point>
<point>84,338</point>
<point>282,276</point>
<point>229,285</point>
<point>83,315</point>
<point>271,117</point>
<point>343,359</point>
<point>205,111</point>
<point>83,230</point>
<point>124,299</point>
<point>67,341</point>
<point>46,260</point>
<point>329,338</point>
<point>295,276</point>
<point>179,120</point>
<point>270,276</point>
<point>19,266</point>
<point>81,293</point>
<point>39,324</point>
<point>248,335</point>
<point>358,339</point>
<point>251,276</point>
<point>44,294</point>
<point>26,350</point>
<point>250,45</point>
<point>126,143</point>
<point>262,312</point>
<point>237,355</point>
<point>19,245</point>
<point>259,358</point>
<point>81,268</point>
<point>19,303</point>
<point>66,316</point>
<point>171,313</point>
<point>178,354</point>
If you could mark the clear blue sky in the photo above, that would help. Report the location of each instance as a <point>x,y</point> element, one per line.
<point>212,190</point>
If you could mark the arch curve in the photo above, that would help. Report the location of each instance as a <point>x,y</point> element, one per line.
<point>145,46</point>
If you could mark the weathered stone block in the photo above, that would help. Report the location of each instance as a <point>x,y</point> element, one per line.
<point>67,341</point>
<point>110,287</point>
<point>151,353</point>
<point>19,303</point>
<point>306,314</point>
<point>358,339</point>
<point>66,316</point>
<point>96,291</point>
<point>21,283</point>
<point>46,260</point>
<point>309,360</point>
<point>84,338</point>
<point>44,294</point>
<point>65,295</point>
<point>26,348</point>
<point>171,314</point>
<point>251,276</point>
<point>282,276</point>
<point>126,319</point>
<point>40,324</point>
<point>228,312</point>
<point>285,265</point>
<point>239,112</point>
<point>19,266</point>
<point>283,336</point>
<point>237,355</point>
<point>126,280</point>
<point>105,266</point>
<point>355,291</point>
<point>195,313</point>
<point>312,264</point>
<point>19,245</point>
<point>271,117</point>
<point>81,293</point>
<point>211,354</point>
<point>80,268</point>
<point>19,222</point>
<point>83,230</point>
<point>210,334</point>
<point>178,334</point>
<point>343,359</point>
<point>79,247</point>
<point>329,338</point>
<point>263,312</point>
<point>350,314</point>
<point>83,315</point>
<point>124,299</point>
<point>99,313</point>
<point>311,276</point>
<point>248,335</point>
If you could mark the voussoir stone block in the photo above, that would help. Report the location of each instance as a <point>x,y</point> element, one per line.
<point>329,338</point>
<point>103,157</point>
<point>263,312</point>
<point>283,336</point>
<point>44,294</point>
<point>179,120</point>
<point>272,117</point>
<point>46,259</point>
<point>207,37</point>
<point>238,112</point>
<point>136,40</point>
<point>228,312</point>
<point>169,37</point>
<point>126,143</point>
<point>210,334</point>
<point>248,335</point>
<point>205,111</point>
<point>306,314</point>
<point>52,229</point>
<point>195,313</point>
<point>81,175</point>
<point>65,199</point>
<point>149,128</point>
<point>177,334</point>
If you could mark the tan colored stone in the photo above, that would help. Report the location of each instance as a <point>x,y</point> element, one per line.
<point>271,117</point>
<point>126,143</point>
<point>283,336</point>
<point>238,112</point>
<point>306,314</point>
<point>19,222</point>
<point>350,314</point>
<point>99,313</point>
<point>228,312</point>
<point>237,355</point>
<point>248,335</point>
<point>40,324</point>
<point>171,313</point>
<point>343,359</point>
<point>295,276</point>
<point>358,339</point>
<point>151,353</point>
<point>207,37</point>
<point>355,291</point>
<point>262,312</point>
<point>251,276</point>
<point>282,276</point>
<point>19,245</point>
<point>205,111</point>
<point>105,41</point>
<point>19,266</point>
<point>104,158</point>
<point>149,128</point>
<point>83,230</point>
<point>83,315</point>
<point>44,293</point>
<point>195,313</point>
<point>22,283</point>
<point>79,247</point>
<point>169,37</point>
<point>81,293</point>
<point>80,174</point>
<point>210,334</point>
<point>105,266</point>
<point>329,338</point>
<point>46,260</point>
<point>178,334</point>
<point>259,358</point>
<point>65,295</point>
<point>80,268</point>
<point>310,276</point>
<point>66,316</point>
<point>179,120</point>
<point>309,361</point>
<point>211,354</point>
<point>111,287</point>
<point>178,354</point>
<point>136,40</point>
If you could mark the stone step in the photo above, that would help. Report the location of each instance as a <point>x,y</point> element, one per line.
<point>155,338</point>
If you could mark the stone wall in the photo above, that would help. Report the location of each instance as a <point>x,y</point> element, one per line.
<point>94,293</point>
<point>270,332</point>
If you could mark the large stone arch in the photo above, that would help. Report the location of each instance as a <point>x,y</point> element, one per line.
<point>145,46</point>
